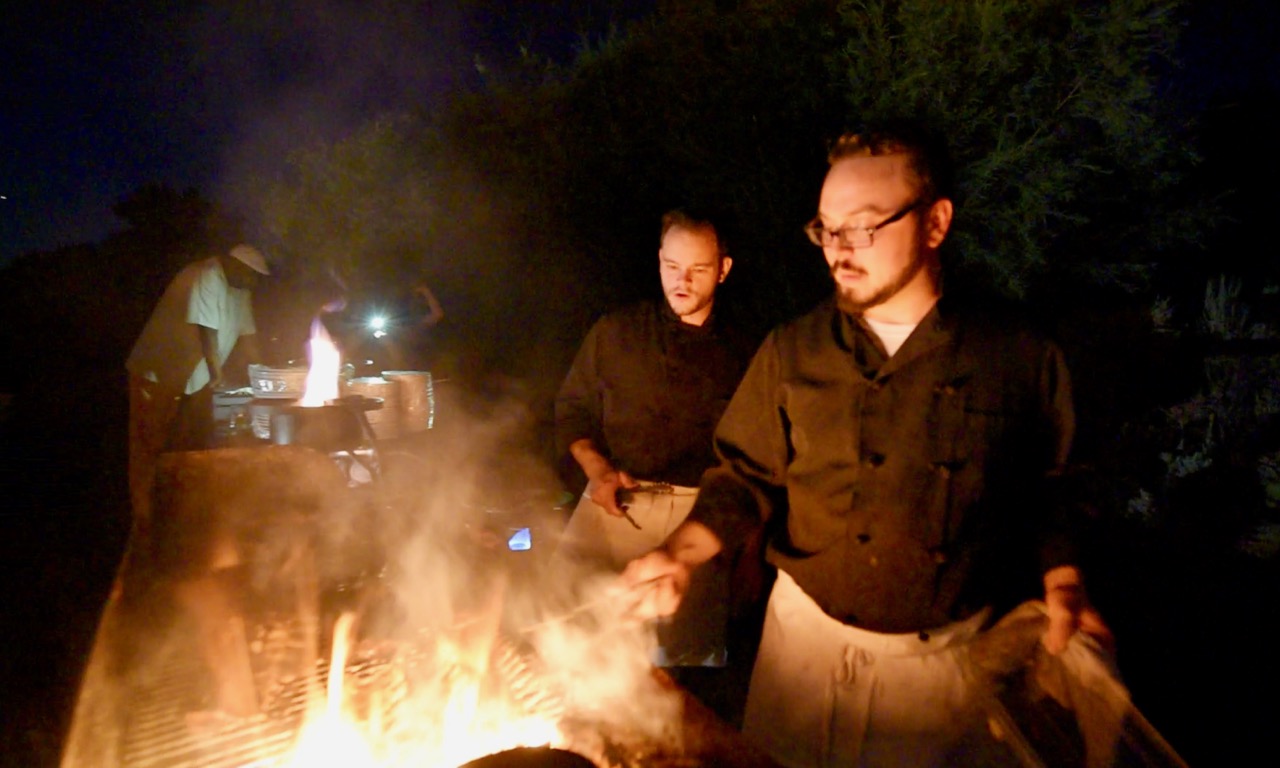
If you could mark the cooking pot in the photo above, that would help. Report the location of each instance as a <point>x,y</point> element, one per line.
<point>341,425</point>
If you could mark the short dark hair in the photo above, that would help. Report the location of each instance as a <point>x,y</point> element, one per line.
<point>695,220</point>
<point>926,153</point>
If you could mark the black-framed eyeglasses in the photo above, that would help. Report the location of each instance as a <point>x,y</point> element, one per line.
<point>854,237</point>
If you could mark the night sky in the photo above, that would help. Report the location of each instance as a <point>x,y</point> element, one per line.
<point>100,98</point>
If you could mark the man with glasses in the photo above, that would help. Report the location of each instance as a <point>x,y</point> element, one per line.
<point>901,455</point>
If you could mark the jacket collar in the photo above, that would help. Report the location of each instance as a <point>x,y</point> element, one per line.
<point>935,329</point>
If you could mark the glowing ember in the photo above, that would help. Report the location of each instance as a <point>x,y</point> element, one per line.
<point>449,722</point>
<point>326,362</point>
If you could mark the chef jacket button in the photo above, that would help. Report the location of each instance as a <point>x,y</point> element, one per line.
<point>874,459</point>
<point>864,538</point>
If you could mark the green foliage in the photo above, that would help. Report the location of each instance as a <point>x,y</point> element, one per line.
<point>1225,315</point>
<point>1068,155</point>
<point>1069,158</point>
<point>690,107</point>
<point>363,203</point>
<point>553,176</point>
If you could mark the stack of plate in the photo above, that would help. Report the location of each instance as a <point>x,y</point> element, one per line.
<point>417,399</point>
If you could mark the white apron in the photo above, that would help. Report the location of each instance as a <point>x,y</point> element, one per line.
<point>597,536</point>
<point>824,693</point>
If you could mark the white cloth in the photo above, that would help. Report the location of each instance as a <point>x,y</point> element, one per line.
<point>824,693</point>
<point>593,534</point>
<point>168,350</point>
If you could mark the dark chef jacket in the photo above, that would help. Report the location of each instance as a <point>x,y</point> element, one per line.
<point>648,389</point>
<point>903,493</point>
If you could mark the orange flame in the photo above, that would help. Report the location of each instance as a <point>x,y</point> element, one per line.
<point>332,738</point>
<point>326,362</point>
<point>456,724</point>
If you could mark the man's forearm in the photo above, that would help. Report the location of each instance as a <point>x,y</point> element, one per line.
<point>435,313</point>
<point>593,462</point>
<point>209,348</point>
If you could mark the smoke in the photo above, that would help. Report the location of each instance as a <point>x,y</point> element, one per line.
<point>257,550</point>
<point>452,586</point>
<point>275,77</point>
<point>421,555</point>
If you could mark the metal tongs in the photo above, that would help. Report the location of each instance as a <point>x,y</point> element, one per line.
<point>627,494</point>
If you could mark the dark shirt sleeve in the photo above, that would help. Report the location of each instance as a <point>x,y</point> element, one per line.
<point>748,485</point>
<point>1067,488</point>
<point>578,407</point>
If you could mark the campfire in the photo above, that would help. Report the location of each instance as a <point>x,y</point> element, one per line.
<point>367,733</point>
<point>275,615</point>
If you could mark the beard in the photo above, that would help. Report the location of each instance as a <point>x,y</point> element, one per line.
<point>687,305</point>
<point>852,304</point>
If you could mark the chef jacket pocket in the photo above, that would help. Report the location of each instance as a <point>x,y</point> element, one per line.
<point>967,431</point>
<point>966,425</point>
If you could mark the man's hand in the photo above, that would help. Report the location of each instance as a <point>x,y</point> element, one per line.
<point>654,584</point>
<point>603,481</point>
<point>604,490</point>
<point>1069,610</point>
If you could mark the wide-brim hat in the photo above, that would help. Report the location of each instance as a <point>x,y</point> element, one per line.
<point>251,257</point>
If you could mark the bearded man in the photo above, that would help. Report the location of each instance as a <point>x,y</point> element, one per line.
<point>901,455</point>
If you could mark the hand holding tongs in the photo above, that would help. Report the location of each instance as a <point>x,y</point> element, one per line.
<point>627,494</point>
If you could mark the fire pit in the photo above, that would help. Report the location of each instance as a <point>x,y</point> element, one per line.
<point>300,604</point>
<point>217,646</point>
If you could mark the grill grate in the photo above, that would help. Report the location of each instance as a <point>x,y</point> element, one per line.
<point>161,731</point>
<point>165,727</point>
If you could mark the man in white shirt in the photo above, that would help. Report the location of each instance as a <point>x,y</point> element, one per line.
<point>192,331</point>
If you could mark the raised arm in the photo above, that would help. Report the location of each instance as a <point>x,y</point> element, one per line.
<point>434,311</point>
